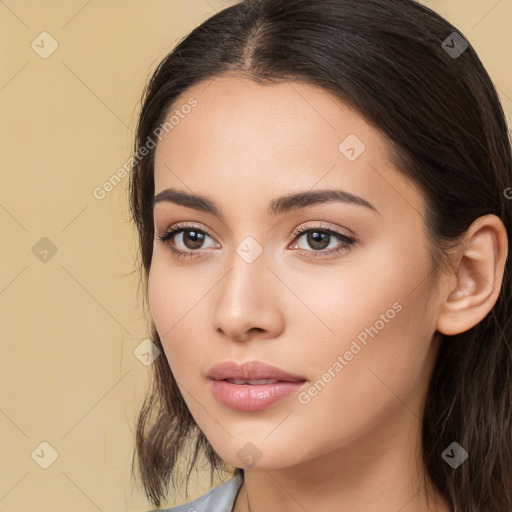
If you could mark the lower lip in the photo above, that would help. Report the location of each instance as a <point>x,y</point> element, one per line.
<point>248,398</point>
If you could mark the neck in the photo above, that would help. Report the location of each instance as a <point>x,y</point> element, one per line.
<point>372,475</point>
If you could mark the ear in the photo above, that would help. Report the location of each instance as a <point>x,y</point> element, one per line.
<point>478,274</point>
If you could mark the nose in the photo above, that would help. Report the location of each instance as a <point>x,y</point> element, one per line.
<point>247,303</point>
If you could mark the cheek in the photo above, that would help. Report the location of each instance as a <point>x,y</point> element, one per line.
<point>378,360</point>
<point>175,297</point>
<point>338,303</point>
<point>158,299</point>
<point>377,299</point>
<point>171,292</point>
<point>164,303</point>
<point>375,384</point>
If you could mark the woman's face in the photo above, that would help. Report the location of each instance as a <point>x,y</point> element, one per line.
<point>354,321</point>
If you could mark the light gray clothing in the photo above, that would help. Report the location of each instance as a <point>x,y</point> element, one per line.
<point>219,499</point>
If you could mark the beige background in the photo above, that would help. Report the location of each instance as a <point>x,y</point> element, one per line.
<point>70,324</point>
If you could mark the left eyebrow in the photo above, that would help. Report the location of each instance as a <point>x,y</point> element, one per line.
<point>286,203</point>
<point>277,206</point>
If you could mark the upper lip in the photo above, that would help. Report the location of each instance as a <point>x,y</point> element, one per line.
<point>250,370</point>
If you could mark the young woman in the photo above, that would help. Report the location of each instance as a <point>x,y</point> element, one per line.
<point>322,190</point>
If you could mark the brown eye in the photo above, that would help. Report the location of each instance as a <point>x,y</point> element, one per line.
<point>190,238</point>
<point>318,240</point>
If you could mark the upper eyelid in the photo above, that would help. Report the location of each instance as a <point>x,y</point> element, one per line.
<point>297,232</point>
<point>185,226</point>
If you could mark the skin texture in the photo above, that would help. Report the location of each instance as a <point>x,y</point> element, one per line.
<point>355,445</point>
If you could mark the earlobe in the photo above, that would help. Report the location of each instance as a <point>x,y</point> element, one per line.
<point>479,274</point>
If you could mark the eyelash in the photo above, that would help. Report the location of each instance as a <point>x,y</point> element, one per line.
<point>167,237</point>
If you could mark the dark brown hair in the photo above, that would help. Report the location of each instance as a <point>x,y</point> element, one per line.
<point>447,131</point>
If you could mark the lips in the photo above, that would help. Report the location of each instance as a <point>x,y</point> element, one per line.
<point>252,386</point>
<point>250,373</point>
<point>253,382</point>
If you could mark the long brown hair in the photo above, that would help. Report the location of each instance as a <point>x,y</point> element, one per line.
<point>435,102</point>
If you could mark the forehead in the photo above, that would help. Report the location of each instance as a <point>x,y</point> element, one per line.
<point>236,113</point>
<point>244,140</point>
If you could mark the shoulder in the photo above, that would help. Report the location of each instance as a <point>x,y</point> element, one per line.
<point>218,499</point>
